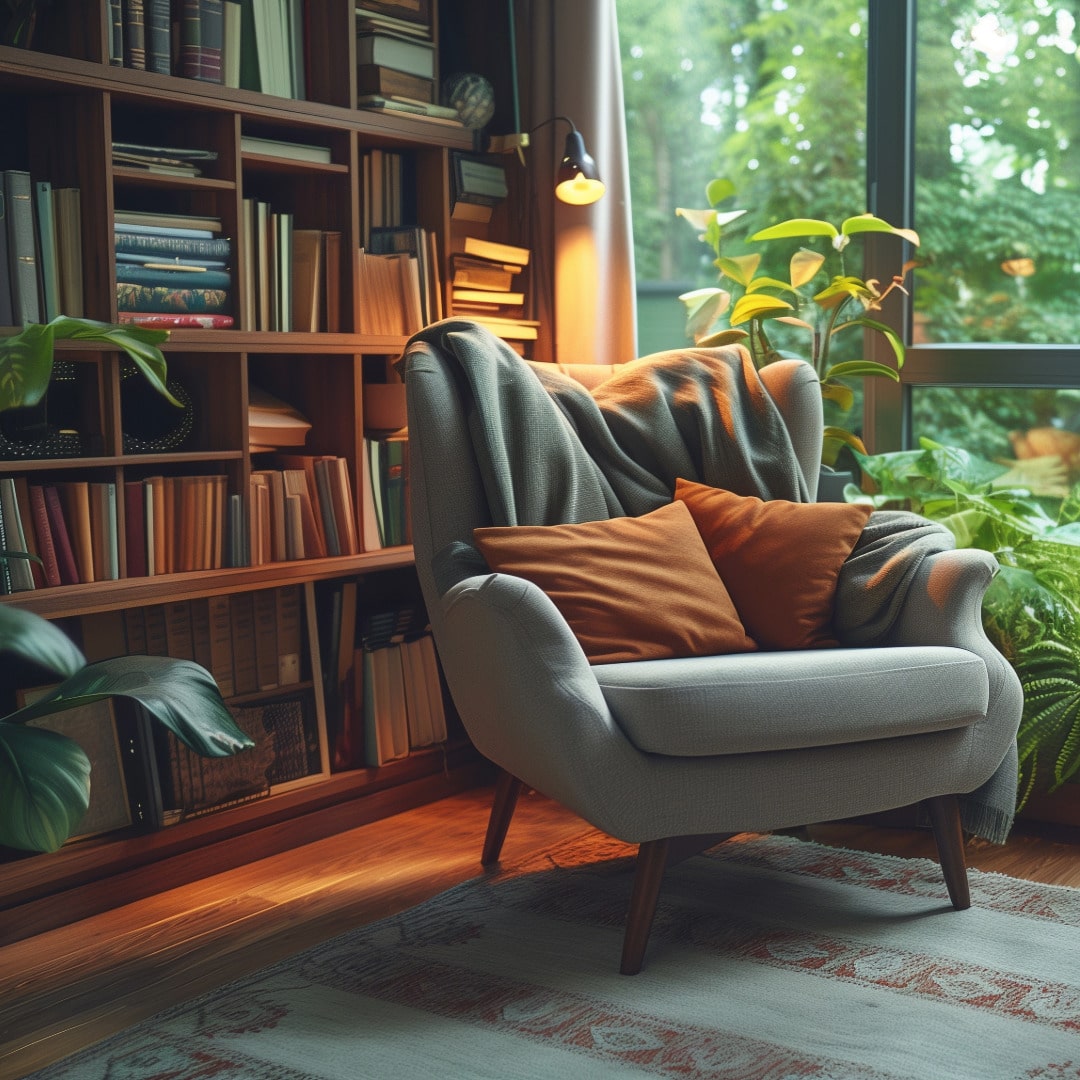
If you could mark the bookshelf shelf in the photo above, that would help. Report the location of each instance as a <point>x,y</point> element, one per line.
<point>63,109</point>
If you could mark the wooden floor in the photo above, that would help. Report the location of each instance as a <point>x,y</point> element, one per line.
<point>68,988</point>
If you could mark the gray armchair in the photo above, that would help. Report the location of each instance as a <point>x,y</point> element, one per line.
<point>666,753</point>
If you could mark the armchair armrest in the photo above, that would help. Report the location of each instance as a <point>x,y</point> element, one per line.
<point>525,691</point>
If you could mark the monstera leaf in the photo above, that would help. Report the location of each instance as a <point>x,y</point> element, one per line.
<point>45,776</point>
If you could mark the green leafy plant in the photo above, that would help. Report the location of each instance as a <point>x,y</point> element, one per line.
<point>842,303</point>
<point>45,776</point>
<point>1030,611</point>
<point>26,358</point>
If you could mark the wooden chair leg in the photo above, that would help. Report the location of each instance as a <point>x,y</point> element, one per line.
<point>507,789</point>
<point>652,860</point>
<point>945,820</point>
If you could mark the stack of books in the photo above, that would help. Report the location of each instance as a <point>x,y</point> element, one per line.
<point>396,61</point>
<point>486,286</point>
<point>479,185</point>
<point>172,270</point>
<point>40,250</point>
<point>163,160</point>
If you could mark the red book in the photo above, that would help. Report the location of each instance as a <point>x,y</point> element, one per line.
<point>47,549</point>
<point>135,528</point>
<point>65,554</point>
<point>175,322</point>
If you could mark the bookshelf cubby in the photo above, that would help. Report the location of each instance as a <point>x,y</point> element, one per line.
<point>63,106</point>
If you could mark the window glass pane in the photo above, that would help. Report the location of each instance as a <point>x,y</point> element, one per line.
<point>997,167</point>
<point>1005,424</point>
<point>769,94</point>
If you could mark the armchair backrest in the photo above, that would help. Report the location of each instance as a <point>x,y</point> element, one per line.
<point>447,497</point>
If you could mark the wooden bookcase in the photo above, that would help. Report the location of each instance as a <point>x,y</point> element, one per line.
<point>61,106</point>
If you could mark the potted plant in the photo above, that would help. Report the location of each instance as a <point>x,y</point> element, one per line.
<point>45,776</point>
<point>842,303</point>
<point>1030,611</point>
<point>26,358</point>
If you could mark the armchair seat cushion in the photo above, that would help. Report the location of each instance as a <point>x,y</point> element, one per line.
<point>753,702</point>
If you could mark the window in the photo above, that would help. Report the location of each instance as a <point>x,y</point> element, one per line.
<point>966,121</point>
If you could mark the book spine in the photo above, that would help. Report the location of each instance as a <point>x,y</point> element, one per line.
<point>47,256</point>
<point>134,35</point>
<point>65,555</point>
<point>6,275</point>
<point>22,248</point>
<point>46,548</point>
<point>175,322</point>
<point>133,274</point>
<point>162,243</point>
<point>190,39</point>
<point>151,299</point>
<point>158,36</point>
<point>22,579</point>
<point>116,33</point>
<point>135,528</point>
<point>212,31</point>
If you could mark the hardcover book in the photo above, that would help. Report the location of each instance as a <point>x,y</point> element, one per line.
<point>151,298</point>
<point>22,247</point>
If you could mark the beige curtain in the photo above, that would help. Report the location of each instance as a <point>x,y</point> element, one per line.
<point>568,57</point>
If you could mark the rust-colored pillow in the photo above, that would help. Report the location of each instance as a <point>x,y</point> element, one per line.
<point>779,560</point>
<point>631,588</point>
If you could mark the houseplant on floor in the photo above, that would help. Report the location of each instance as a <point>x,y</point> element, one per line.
<point>843,303</point>
<point>1023,516</point>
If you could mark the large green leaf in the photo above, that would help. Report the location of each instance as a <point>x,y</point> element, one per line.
<point>30,637</point>
<point>890,335</point>
<point>26,358</point>
<point>864,223</point>
<point>723,337</point>
<point>796,227</point>
<point>852,369</point>
<point>179,693</point>
<point>44,787</point>
<point>719,189</point>
<point>741,269</point>
<point>755,306</point>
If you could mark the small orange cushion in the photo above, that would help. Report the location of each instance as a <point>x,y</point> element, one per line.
<point>779,560</point>
<point>631,588</point>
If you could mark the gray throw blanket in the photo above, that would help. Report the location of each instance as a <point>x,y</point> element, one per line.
<point>551,452</point>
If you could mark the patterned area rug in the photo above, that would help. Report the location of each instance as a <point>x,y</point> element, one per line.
<point>771,959</point>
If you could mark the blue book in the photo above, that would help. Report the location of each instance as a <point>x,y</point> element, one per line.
<point>155,275</point>
<point>168,244</point>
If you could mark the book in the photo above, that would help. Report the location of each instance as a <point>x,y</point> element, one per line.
<point>280,148</point>
<point>397,51</point>
<point>341,494</point>
<point>478,178</point>
<point>264,604</point>
<point>179,638</point>
<point>175,321</point>
<point>211,41</point>
<point>232,32</point>
<point>487,296</point>
<point>170,242</point>
<point>290,633</point>
<point>296,484</point>
<point>369,525</point>
<point>245,662</point>
<point>159,275</point>
<point>430,664</point>
<point>22,247</point>
<point>219,612</point>
<point>134,35</point>
<point>44,533</point>
<point>331,295</point>
<point>67,212</point>
<point>17,572</point>
<point>497,252</point>
<point>134,529</point>
<point>62,539</point>
<point>158,36</point>
<point>387,82</point>
<point>116,33</point>
<point>155,221</point>
<point>307,279</point>
<point>103,530</point>
<point>440,114</point>
<point>48,256</point>
<point>162,299</point>
<point>75,497</point>
<point>273,422</point>
<point>28,520</point>
<point>472,273</point>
